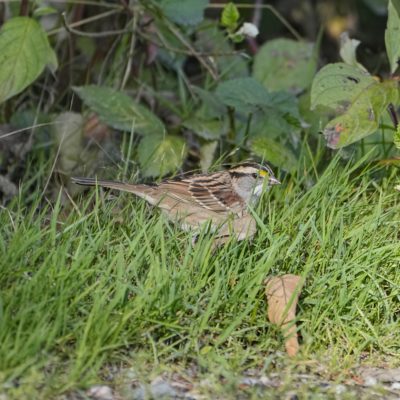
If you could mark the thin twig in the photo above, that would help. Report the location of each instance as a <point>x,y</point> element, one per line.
<point>24,8</point>
<point>88,3</point>
<point>164,45</point>
<point>393,115</point>
<point>181,38</point>
<point>128,68</point>
<point>53,165</point>
<point>91,34</point>
<point>86,21</point>
<point>126,7</point>
<point>232,123</point>
<point>28,128</point>
<point>257,13</point>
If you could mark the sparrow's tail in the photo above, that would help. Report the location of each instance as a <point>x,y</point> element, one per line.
<point>139,190</point>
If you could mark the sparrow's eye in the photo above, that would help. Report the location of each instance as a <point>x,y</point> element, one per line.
<point>254,175</point>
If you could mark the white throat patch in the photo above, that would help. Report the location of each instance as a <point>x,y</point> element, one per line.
<point>258,189</point>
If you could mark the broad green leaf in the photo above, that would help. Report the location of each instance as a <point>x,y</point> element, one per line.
<point>244,94</point>
<point>230,16</point>
<point>184,12</point>
<point>24,53</point>
<point>211,106</point>
<point>274,152</point>
<point>338,84</point>
<point>160,155</point>
<point>392,35</point>
<point>210,129</point>
<point>348,48</point>
<point>119,111</point>
<point>363,116</point>
<point>272,124</point>
<point>284,64</point>
<point>247,95</point>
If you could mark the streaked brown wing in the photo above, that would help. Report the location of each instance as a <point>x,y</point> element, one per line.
<point>213,192</point>
<point>176,189</point>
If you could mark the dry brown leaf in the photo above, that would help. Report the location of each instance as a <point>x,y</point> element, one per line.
<point>282,294</point>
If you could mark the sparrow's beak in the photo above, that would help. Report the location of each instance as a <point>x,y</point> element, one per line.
<point>273,181</point>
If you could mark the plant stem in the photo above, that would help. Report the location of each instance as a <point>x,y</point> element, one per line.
<point>24,8</point>
<point>232,124</point>
<point>393,115</point>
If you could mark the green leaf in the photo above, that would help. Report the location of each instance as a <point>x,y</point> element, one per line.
<point>184,12</point>
<point>247,95</point>
<point>230,16</point>
<point>272,124</point>
<point>209,129</point>
<point>338,84</point>
<point>244,94</point>
<point>160,155</point>
<point>44,10</point>
<point>348,49</point>
<point>284,64</point>
<point>274,152</point>
<point>363,116</point>
<point>392,35</point>
<point>24,53</point>
<point>119,111</point>
<point>211,106</point>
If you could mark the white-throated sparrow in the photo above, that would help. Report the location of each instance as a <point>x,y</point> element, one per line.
<point>220,198</point>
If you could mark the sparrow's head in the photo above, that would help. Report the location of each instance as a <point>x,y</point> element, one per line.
<point>250,179</point>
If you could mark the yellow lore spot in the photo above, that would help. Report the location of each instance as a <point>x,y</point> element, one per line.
<point>263,173</point>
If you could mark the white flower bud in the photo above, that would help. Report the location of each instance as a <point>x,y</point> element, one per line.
<point>248,29</point>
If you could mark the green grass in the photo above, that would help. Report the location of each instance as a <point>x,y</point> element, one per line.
<point>109,285</point>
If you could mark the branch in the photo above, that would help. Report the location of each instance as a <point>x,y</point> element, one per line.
<point>70,29</point>
<point>24,8</point>
<point>393,115</point>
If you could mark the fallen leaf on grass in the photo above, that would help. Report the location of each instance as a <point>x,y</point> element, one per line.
<point>282,295</point>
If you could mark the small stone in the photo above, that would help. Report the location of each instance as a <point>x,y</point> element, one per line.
<point>249,381</point>
<point>370,381</point>
<point>100,392</point>
<point>340,389</point>
<point>161,388</point>
<point>264,380</point>
<point>395,386</point>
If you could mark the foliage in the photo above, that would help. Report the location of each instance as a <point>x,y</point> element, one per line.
<point>285,64</point>
<point>359,98</point>
<point>144,91</point>
<point>24,52</point>
<point>161,109</point>
<point>119,111</point>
